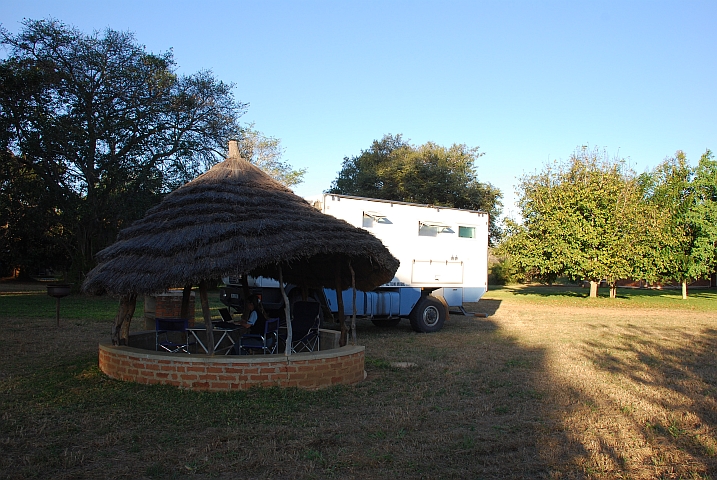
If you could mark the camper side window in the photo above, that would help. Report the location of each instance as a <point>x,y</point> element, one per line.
<point>431,229</point>
<point>467,232</point>
<point>369,218</point>
<point>427,230</point>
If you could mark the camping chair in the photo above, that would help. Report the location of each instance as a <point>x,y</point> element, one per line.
<point>305,327</point>
<point>267,343</point>
<point>163,327</point>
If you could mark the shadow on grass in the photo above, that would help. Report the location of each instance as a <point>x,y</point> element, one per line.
<point>668,393</point>
<point>568,291</point>
<point>487,306</point>
<point>466,402</point>
<point>471,400</point>
<point>624,293</point>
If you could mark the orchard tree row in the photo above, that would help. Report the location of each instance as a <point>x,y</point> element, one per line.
<point>593,219</point>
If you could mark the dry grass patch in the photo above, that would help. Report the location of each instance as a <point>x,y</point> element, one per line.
<point>539,389</point>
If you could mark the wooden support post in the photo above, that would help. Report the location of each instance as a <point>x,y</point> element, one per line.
<point>120,332</point>
<point>353,316</point>
<point>186,295</point>
<point>343,340</point>
<point>246,293</point>
<point>207,316</point>
<point>287,314</point>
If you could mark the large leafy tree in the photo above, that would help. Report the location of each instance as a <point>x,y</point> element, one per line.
<point>705,212</point>
<point>94,128</point>
<point>393,169</point>
<point>685,242</point>
<point>583,219</point>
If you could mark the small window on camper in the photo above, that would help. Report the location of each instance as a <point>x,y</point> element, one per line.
<point>467,232</point>
<point>369,218</point>
<point>432,229</point>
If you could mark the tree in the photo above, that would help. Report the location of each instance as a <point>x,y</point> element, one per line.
<point>668,188</point>
<point>686,197</point>
<point>266,152</point>
<point>704,214</point>
<point>101,128</point>
<point>582,219</point>
<point>392,169</point>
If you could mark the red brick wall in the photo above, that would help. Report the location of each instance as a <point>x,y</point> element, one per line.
<point>169,305</point>
<point>200,372</point>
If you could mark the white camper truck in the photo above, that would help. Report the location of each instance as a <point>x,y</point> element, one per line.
<point>443,253</point>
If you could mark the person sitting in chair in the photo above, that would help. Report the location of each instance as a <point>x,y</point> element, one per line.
<point>257,317</point>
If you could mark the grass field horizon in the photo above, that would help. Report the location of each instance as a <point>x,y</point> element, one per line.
<point>550,384</point>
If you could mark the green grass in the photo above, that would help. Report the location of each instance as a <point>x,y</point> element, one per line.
<point>698,299</point>
<point>73,307</point>
<point>34,303</point>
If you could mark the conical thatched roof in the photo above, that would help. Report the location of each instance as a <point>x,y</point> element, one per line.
<point>235,219</point>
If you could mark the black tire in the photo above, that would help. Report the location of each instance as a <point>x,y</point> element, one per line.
<point>386,322</point>
<point>428,315</point>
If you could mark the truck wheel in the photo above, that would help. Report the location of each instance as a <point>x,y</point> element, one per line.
<point>428,315</point>
<point>386,322</point>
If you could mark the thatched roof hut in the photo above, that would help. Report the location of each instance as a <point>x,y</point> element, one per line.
<point>235,220</point>
<point>232,220</point>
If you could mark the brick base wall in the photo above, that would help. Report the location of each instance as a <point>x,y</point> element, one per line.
<point>309,371</point>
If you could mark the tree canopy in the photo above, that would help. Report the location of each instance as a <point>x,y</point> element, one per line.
<point>581,219</point>
<point>93,129</point>
<point>393,169</point>
<point>266,153</point>
<point>591,218</point>
<point>686,245</point>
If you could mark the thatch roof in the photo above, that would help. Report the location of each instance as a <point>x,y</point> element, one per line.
<point>232,220</point>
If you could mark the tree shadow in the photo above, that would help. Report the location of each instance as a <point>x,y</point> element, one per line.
<point>472,397</point>
<point>486,306</point>
<point>568,291</point>
<point>667,394</point>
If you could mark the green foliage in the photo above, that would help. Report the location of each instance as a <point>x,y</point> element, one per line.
<point>582,219</point>
<point>266,152</point>
<point>392,169</point>
<point>686,238</point>
<point>704,212</point>
<point>97,129</point>
<point>502,272</point>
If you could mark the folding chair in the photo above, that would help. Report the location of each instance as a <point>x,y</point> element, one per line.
<point>163,327</point>
<point>305,327</point>
<point>267,343</point>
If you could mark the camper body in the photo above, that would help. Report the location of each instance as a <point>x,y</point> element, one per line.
<point>443,254</point>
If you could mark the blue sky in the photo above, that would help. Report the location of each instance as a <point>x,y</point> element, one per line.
<point>526,81</point>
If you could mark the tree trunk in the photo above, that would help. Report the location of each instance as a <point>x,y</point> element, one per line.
<point>207,316</point>
<point>593,289</point>
<point>613,290</point>
<point>684,289</point>
<point>120,332</point>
